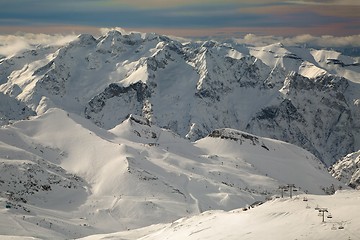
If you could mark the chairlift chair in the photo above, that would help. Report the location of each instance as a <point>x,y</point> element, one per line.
<point>329,216</point>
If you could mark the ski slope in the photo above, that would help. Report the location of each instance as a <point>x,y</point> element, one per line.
<point>279,219</point>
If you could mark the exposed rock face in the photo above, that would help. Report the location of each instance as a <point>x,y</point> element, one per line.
<point>12,110</point>
<point>133,95</point>
<point>314,114</point>
<point>347,170</point>
<point>194,88</point>
<point>237,136</point>
<point>29,182</point>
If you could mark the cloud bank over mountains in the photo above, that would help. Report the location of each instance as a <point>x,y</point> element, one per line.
<point>326,41</point>
<point>12,44</point>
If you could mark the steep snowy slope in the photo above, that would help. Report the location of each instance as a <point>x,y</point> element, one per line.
<point>306,97</point>
<point>310,63</point>
<point>272,158</point>
<point>59,171</point>
<point>347,170</point>
<point>277,219</point>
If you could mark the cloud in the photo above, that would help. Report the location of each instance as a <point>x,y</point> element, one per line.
<point>104,30</point>
<point>12,44</point>
<point>326,41</point>
<point>266,17</point>
<point>178,3</point>
<point>343,11</point>
<point>327,2</point>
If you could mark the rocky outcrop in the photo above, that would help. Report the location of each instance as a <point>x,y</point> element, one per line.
<point>237,136</point>
<point>132,97</point>
<point>28,182</point>
<point>13,110</point>
<point>347,170</point>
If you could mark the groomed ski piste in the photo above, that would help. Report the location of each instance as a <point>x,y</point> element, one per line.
<point>279,219</point>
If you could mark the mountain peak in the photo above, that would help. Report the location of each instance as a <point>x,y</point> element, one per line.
<point>85,39</point>
<point>209,44</point>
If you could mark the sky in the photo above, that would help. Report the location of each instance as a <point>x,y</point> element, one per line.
<point>185,18</point>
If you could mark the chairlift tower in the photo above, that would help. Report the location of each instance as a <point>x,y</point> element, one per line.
<point>282,188</point>
<point>323,211</point>
<point>291,187</point>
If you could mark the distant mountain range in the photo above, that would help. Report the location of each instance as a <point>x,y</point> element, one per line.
<point>303,96</point>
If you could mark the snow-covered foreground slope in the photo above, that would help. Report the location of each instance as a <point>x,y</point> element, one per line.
<point>64,177</point>
<point>306,97</point>
<point>280,219</point>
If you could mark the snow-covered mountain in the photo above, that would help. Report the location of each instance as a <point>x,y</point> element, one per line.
<point>128,130</point>
<point>303,96</point>
<point>59,171</point>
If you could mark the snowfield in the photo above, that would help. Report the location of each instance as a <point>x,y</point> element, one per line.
<point>64,177</point>
<point>279,219</point>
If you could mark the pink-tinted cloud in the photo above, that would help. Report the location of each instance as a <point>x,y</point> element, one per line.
<point>48,29</point>
<point>185,17</point>
<point>327,2</point>
<point>325,10</point>
<point>335,29</point>
<point>176,3</point>
<point>331,29</point>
